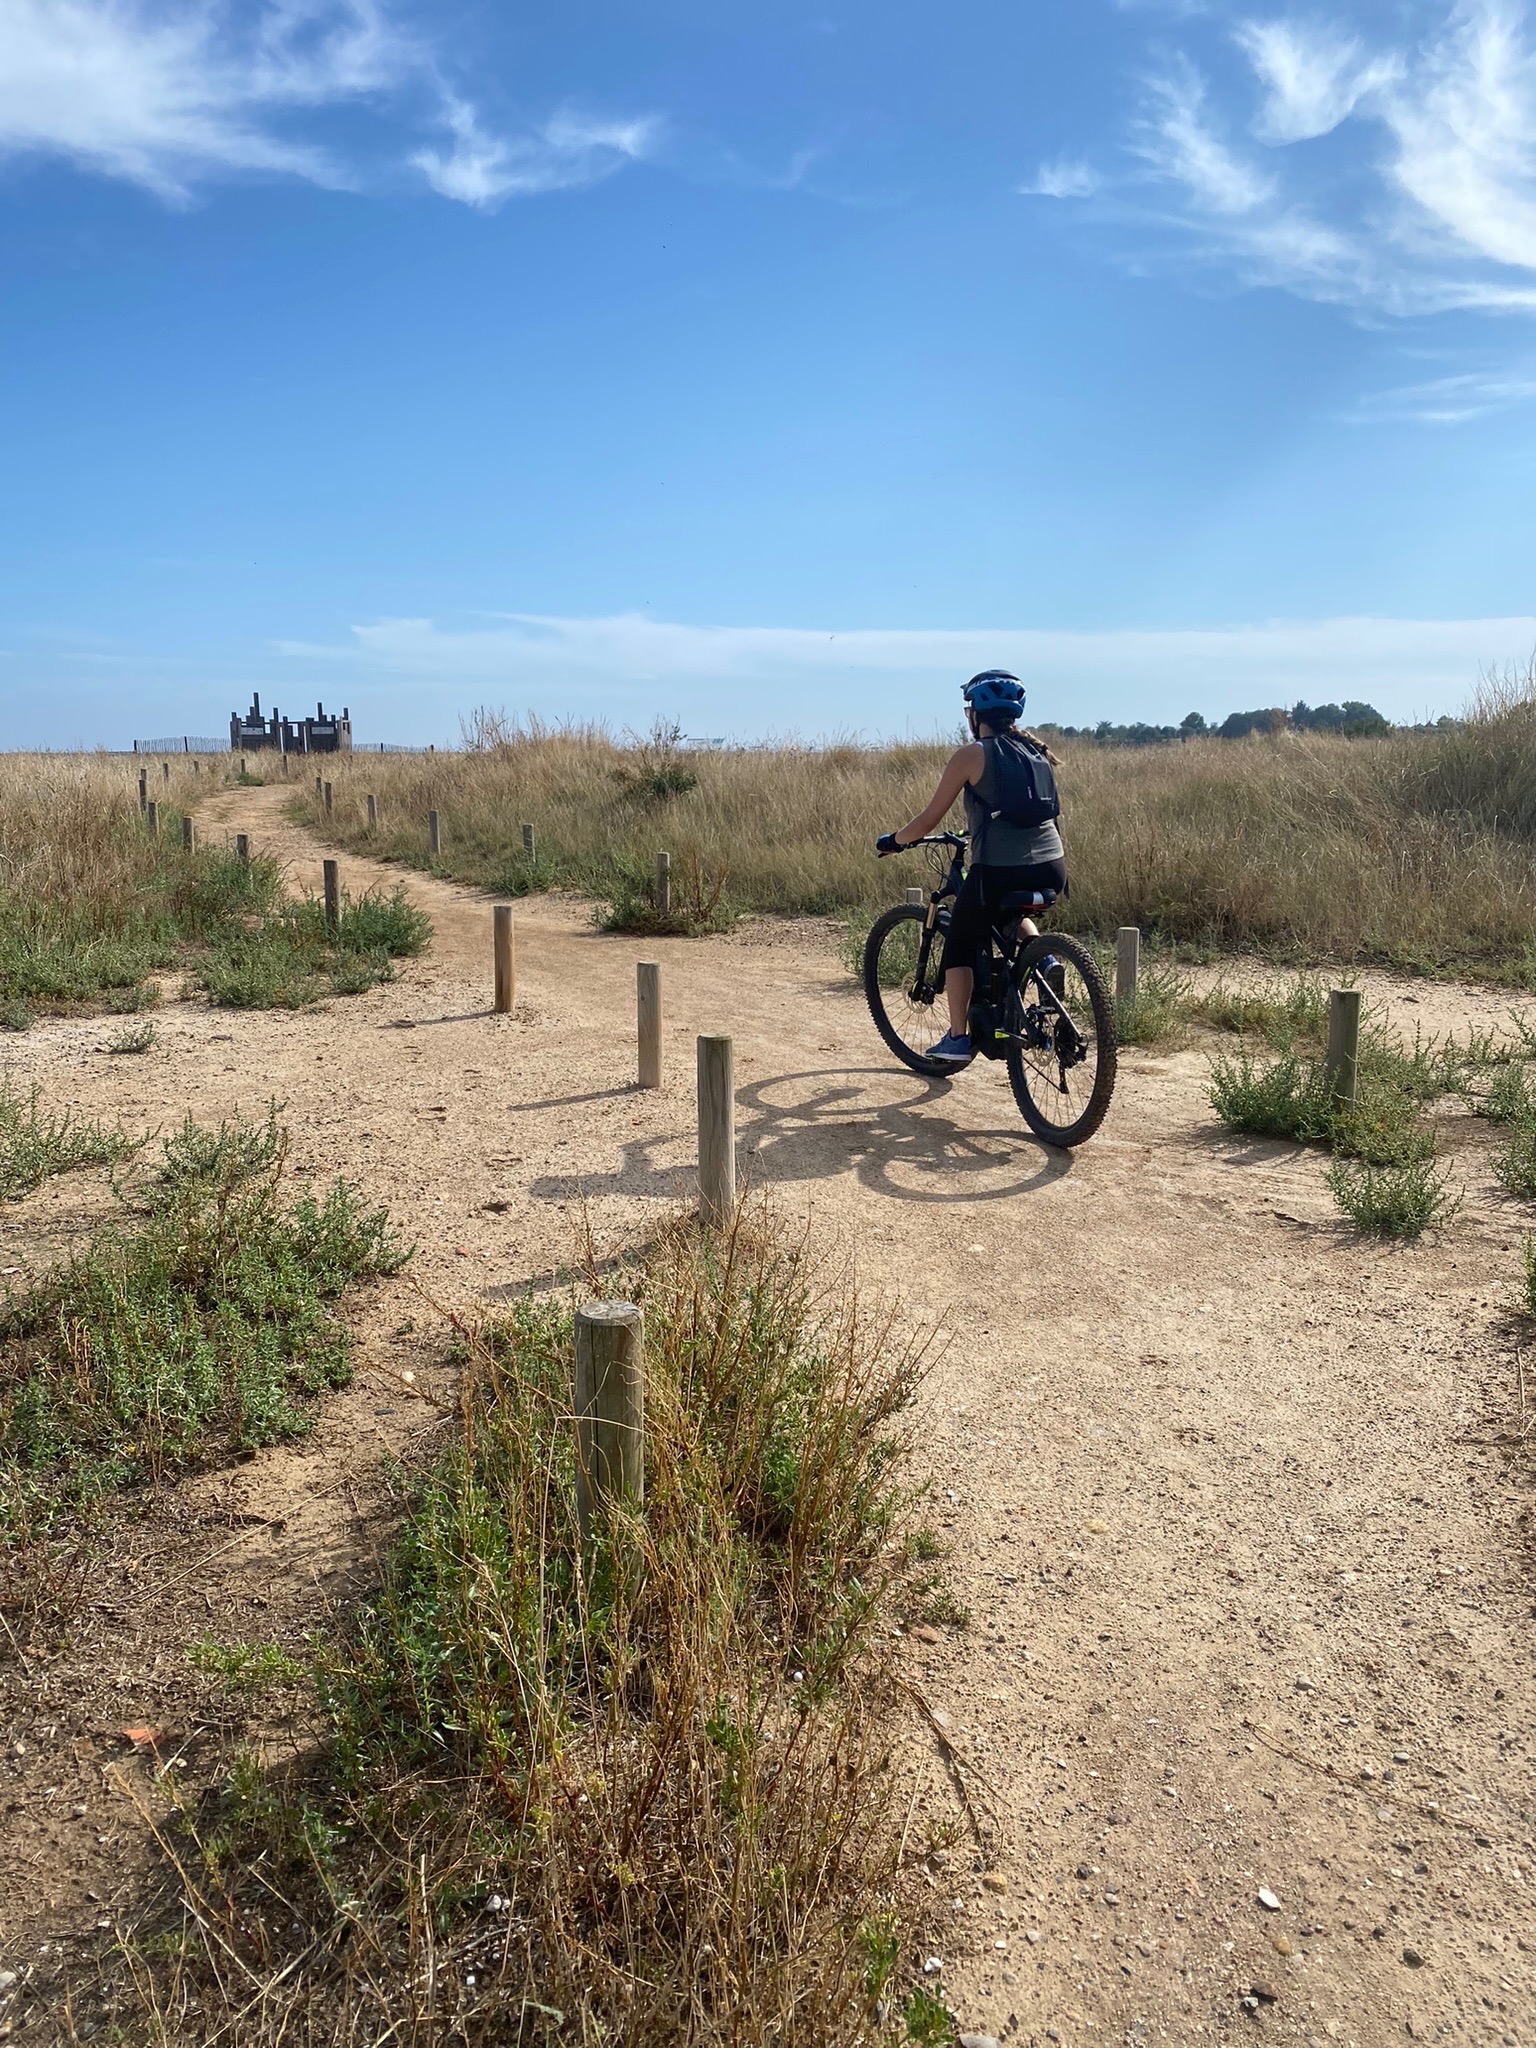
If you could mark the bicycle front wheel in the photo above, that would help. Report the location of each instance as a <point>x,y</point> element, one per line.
<point>902,987</point>
<point>1062,1046</point>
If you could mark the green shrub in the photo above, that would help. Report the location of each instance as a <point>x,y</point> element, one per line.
<point>202,1329</point>
<point>1392,1201</point>
<point>34,1146</point>
<point>293,958</point>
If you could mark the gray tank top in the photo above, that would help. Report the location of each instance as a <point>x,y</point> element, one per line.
<point>994,842</point>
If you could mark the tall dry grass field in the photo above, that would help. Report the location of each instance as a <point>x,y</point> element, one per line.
<point>92,905</point>
<point>1417,850</point>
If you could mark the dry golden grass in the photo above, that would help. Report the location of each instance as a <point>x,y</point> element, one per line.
<point>1416,850</point>
<point>92,904</point>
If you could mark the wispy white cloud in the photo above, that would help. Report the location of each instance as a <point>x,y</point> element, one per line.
<point>1424,197</point>
<point>1446,401</point>
<point>747,679</point>
<point>169,94</point>
<point>1315,76</point>
<point>569,150</point>
<point>1179,140</point>
<point>1065,178</point>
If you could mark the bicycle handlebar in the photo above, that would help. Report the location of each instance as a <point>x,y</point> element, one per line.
<point>935,839</point>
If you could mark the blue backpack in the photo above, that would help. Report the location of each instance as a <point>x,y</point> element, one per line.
<point>1025,787</point>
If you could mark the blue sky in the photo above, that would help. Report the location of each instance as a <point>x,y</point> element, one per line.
<point>768,367</point>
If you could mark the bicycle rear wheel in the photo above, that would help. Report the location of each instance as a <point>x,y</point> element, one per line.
<point>1062,1047</point>
<point>907,1006</point>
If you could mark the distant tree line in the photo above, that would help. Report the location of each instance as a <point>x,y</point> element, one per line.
<point>1352,719</point>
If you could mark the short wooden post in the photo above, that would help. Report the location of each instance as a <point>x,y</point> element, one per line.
<point>143,791</point>
<point>329,804</point>
<point>1343,1062</point>
<point>648,1017</point>
<point>717,1131</point>
<point>165,770</point>
<point>373,814</point>
<point>663,884</point>
<point>243,847</point>
<point>528,842</point>
<point>610,1408</point>
<point>285,767</point>
<point>188,834</point>
<point>1127,964</point>
<point>319,785</point>
<point>242,765</point>
<point>434,834</point>
<point>332,896</point>
<point>506,971</point>
<point>152,819</point>
<point>197,767</point>
<point>915,896</point>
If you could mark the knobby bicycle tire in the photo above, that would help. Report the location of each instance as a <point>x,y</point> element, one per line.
<point>1064,1136</point>
<point>874,994</point>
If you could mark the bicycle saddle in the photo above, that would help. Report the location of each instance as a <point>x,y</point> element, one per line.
<point>1024,900</point>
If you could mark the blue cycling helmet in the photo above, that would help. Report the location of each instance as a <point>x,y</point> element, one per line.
<point>994,692</point>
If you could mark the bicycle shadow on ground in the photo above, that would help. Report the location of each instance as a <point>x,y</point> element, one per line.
<point>817,1124</point>
<point>891,1129</point>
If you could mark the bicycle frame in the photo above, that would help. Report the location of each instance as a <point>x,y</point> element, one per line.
<point>1002,948</point>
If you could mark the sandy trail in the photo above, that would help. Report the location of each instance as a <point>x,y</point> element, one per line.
<point>1249,1584</point>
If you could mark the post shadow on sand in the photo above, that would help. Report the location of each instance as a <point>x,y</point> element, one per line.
<point>814,1125</point>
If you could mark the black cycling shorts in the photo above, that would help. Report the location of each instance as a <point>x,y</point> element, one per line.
<point>970,917</point>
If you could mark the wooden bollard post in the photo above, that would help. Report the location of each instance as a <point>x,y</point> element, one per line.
<point>717,1131</point>
<point>610,1408</point>
<point>285,767</point>
<point>188,834</point>
<point>319,785</point>
<point>663,884</point>
<point>528,849</point>
<point>373,814</point>
<point>152,819</point>
<point>1127,964</point>
<point>242,767</point>
<point>329,803</point>
<point>332,896</point>
<point>143,791</point>
<point>648,1017</point>
<point>243,847</point>
<point>165,770</point>
<point>1342,1066</point>
<point>915,896</point>
<point>434,834</point>
<point>506,970</point>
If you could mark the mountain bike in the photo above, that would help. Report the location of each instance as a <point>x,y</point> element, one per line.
<point>1040,1004</point>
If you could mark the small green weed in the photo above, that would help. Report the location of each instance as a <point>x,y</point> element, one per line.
<point>1514,1164</point>
<point>204,1330</point>
<point>134,1038</point>
<point>929,2021</point>
<point>34,1147</point>
<point>1392,1201</point>
<point>1529,1277</point>
<point>1155,1018</point>
<point>1509,1099</point>
<point>248,1669</point>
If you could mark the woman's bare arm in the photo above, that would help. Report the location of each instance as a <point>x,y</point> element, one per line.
<point>963,766</point>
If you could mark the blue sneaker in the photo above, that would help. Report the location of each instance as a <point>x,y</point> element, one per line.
<point>954,1049</point>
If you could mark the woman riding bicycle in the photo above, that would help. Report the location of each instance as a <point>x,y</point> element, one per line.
<point>1006,859</point>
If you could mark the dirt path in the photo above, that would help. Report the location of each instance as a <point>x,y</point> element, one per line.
<point>1250,1588</point>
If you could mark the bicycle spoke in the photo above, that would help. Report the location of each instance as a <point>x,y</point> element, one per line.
<point>1060,1056</point>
